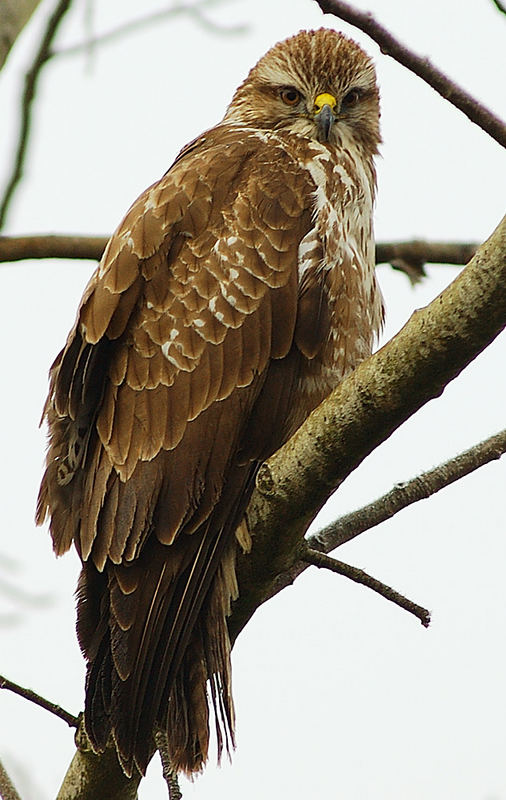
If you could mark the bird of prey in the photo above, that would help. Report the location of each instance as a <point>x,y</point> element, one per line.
<point>236,293</point>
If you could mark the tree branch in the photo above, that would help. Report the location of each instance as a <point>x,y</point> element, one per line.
<point>135,25</point>
<point>500,7</point>
<point>437,343</point>
<point>45,52</point>
<point>415,253</point>
<point>7,790</point>
<point>420,66</point>
<point>91,776</point>
<point>18,248</point>
<point>411,257</point>
<point>28,694</point>
<point>321,560</point>
<point>31,80</point>
<point>402,495</point>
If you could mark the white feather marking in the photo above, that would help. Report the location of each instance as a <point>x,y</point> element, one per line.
<point>231,300</point>
<point>149,201</point>
<point>212,308</point>
<point>308,251</point>
<point>166,352</point>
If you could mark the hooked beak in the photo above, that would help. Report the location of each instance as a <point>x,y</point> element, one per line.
<point>324,114</point>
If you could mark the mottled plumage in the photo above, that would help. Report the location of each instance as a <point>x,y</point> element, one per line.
<point>236,293</point>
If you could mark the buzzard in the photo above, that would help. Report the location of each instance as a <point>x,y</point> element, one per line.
<point>236,293</point>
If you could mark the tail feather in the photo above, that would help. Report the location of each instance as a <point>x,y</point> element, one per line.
<point>157,642</point>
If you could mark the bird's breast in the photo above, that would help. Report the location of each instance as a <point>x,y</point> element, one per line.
<point>338,256</point>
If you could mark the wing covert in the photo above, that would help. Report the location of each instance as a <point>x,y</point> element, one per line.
<point>196,292</point>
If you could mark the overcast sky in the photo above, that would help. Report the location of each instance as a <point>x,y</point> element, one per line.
<point>338,693</point>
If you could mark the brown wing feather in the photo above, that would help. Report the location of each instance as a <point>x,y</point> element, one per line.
<point>195,297</point>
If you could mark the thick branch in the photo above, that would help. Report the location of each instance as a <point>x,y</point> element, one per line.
<point>91,776</point>
<point>30,87</point>
<point>33,697</point>
<point>323,561</point>
<point>414,367</point>
<point>421,66</point>
<point>416,252</point>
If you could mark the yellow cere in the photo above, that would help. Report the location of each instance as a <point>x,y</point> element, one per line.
<point>324,99</point>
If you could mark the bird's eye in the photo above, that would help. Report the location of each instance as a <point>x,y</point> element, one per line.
<point>289,95</point>
<point>351,98</point>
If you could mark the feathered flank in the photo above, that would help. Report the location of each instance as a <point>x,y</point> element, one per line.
<point>234,296</point>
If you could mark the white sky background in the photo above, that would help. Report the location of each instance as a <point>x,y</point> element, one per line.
<point>339,694</point>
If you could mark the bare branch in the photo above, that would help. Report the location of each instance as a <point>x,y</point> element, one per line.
<point>28,694</point>
<point>17,248</point>
<point>422,67</point>
<point>415,253</point>
<point>402,495</point>
<point>411,257</point>
<point>134,26</point>
<point>7,790</point>
<point>499,6</point>
<point>321,560</point>
<point>31,80</point>
<point>96,775</point>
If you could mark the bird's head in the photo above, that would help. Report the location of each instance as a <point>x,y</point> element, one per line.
<point>318,84</point>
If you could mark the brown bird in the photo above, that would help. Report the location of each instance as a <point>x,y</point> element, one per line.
<point>234,296</point>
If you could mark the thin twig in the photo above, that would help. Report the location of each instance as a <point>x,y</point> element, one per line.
<point>323,561</point>
<point>169,775</point>
<point>31,79</point>
<point>499,6</point>
<point>416,252</point>
<point>421,66</point>
<point>7,790</point>
<point>134,26</point>
<point>28,694</point>
<point>402,495</point>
